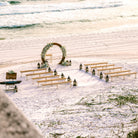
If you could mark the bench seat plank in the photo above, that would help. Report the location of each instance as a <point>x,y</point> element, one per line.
<point>109,68</point>
<point>124,74</point>
<point>32,74</point>
<point>48,54</point>
<point>96,63</point>
<point>108,73</point>
<point>24,71</point>
<point>62,82</point>
<point>57,83</point>
<point>56,79</point>
<point>107,65</point>
<point>45,77</point>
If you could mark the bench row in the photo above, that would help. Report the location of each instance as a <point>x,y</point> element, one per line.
<point>102,66</point>
<point>53,78</point>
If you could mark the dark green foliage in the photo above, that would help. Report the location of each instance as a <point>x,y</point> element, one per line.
<point>133,134</point>
<point>2,38</point>
<point>14,2</point>
<point>80,137</point>
<point>122,100</point>
<point>56,135</point>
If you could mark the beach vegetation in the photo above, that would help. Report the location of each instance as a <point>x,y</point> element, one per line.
<point>85,137</point>
<point>14,2</point>
<point>80,137</point>
<point>85,102</point>
<point>2,38</point>
<point>134,120</point>
<point>91,101</point>
<point>56,135</point>
<point>119,133</point>
<point>109,108</point>
<point>134,90</point>
<point>54,123</point>
<point>124,99</point>
<point>133,134</point>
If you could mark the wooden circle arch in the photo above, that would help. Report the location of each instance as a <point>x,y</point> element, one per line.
<point>45,49</point>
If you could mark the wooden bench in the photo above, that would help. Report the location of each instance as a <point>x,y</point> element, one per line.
<point>45,77</point>
<point>109,69</point>
<point>50,55</point>
<point>33,70</point>
<point>57,83</point>
<point>32,74</point>
<point>125,74</point>
<point>56,79</point>
<point>95,63</point>
<point>107,65</point>
<point>116,72</point>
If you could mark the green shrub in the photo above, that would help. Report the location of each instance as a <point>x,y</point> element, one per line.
<point>122,100</point>
<point>133,134</point>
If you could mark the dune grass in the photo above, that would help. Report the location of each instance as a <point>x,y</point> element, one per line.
<point>124,99</point>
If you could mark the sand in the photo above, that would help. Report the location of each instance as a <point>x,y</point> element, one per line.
<point>64,111</point>
<point>84,110</point>
<point>111,45</point>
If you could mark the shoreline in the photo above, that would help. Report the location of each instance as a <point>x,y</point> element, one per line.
<point>75,28</point>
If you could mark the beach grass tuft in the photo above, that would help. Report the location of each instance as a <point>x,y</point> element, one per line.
<point>2,38</point>
<point>14,2</point>
<point>124,99</point>
<point>56,135</point>
<point>133,134</point>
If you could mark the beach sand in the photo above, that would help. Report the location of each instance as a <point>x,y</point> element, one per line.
<point>84,110</point>
<point>117,43</point>
<point>64,111</point>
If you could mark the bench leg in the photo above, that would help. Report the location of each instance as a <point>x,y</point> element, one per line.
<point>32,81</point>
<point>51,59</point>
<point>111,78</point>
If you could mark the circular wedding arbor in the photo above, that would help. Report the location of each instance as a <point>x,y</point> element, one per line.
<point>47,47</point>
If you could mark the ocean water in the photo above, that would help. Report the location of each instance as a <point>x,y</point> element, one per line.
<point>40,14</point>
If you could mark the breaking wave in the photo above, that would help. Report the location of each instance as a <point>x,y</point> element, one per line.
<point>36,9</point>
<point>18,26</point>
<point>24,15</point>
